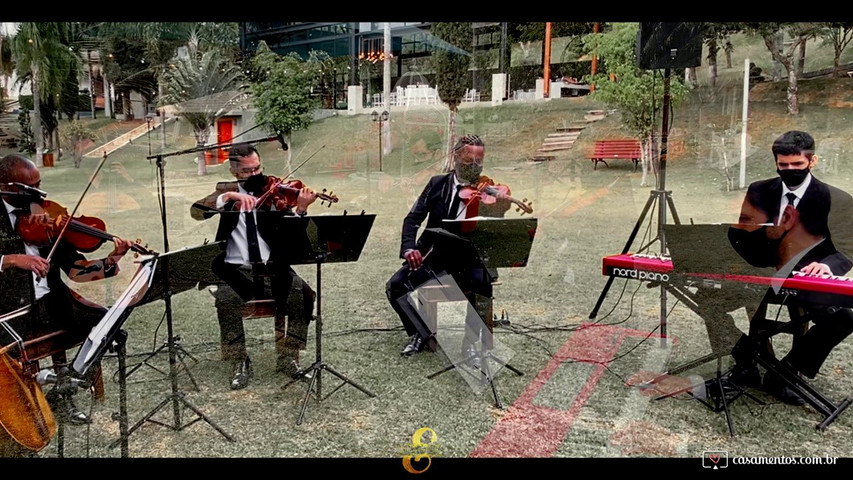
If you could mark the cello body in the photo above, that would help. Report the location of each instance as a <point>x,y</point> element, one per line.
<point>26,421</point>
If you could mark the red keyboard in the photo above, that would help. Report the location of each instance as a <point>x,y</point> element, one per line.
<point>824,289</point>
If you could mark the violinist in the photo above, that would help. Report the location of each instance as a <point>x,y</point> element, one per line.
<point>250,259</point>
<point>27,277</point>
<point>441,200</point>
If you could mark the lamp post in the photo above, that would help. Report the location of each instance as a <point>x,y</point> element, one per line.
<point>383,117</point>
<point>148,123</point>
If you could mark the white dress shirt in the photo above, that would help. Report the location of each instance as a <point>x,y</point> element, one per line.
<point>237,250</point>
<point>799,192</point>
<point>40,285</point>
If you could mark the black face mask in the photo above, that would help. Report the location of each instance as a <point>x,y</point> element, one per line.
<point>755,247</point>
<point>793,178</point>
<point>255,184</point>
<point>469,173</point>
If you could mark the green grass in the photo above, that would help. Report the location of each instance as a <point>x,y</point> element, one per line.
<point>583,216</point>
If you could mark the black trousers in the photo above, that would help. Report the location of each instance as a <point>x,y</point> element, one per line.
<point>475,283</point>
<point>294,301</point>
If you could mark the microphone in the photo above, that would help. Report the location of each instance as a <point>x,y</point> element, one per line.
<point>280,137</point>
<point>46,377</point>
<point>29,189</point>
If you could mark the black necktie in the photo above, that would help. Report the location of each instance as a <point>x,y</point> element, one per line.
<point>791,197</point>
<point>454,204</point>
<point>252,237</point>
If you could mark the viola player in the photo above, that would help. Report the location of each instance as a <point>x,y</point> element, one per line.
<point>440,200</point>
<point>251,258</point>
<point>26,276</point>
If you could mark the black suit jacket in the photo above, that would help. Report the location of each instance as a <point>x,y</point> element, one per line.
<point>434,203</point>
<point>283,248</point>
<point>823,197</point>
<point>16,285</point>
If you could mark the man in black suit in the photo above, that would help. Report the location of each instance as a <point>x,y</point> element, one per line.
<point>252,253</point>
<point>28,278</point>
<point>794,154</point>
<point>440,201</point>
<point>795,240</point>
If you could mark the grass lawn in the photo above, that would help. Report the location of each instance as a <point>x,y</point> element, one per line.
<point>583,215</point>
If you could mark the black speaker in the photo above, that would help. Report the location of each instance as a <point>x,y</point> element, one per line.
<point>669,45</point>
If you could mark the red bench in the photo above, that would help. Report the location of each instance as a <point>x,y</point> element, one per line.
<point>620,148</point>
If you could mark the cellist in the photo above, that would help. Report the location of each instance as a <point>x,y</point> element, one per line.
<point>28,278</point>
<point>441,200</point>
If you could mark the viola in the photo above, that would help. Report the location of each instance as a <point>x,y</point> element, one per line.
<point>485,191</point>
<point>284,194</point>
<point>85,234</point>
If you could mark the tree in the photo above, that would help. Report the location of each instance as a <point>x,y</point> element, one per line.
<point>281,91</point>
<point>200,76</point>
<point>839,35</point>
<point>451,59</point>
<point>78,136</point>
<point>799,33</point>
<point>7,63</point>
<point>716,34</point>
<point>43,61</point>
<point>636,93</point>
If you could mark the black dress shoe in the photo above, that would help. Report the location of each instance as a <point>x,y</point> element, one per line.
<point>776,386</point>
<point>65,410</point>
<point>416,344</point>
<point>290,367</point>
<point>242,372</point>
<point>744,376</point>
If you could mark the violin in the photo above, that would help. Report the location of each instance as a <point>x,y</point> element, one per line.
<point>283,194</point>
<point>85,234</point>
<point>485,191</point>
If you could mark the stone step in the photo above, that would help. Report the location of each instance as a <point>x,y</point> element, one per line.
<point>554,148</point>
<point>564,135</point>
<point>556,141</point>
<point>541,158</point>
<point>575,128</point>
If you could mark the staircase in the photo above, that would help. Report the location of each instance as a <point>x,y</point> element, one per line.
<point>564,137</point>
<point>9,130</point>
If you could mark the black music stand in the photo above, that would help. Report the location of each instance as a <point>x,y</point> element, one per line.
<point>318,240</point>
<point>189,269</point>
<point>487,243</point>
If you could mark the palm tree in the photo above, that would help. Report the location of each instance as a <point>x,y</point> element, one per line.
<point>43,61</point>
<point>194,83</point>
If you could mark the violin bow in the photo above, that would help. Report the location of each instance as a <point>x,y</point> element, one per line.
<point>71,215</point>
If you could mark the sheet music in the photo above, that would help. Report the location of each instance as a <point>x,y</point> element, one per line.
<point>100,334</point>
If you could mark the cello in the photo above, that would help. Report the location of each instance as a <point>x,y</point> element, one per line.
<point>27,422</point>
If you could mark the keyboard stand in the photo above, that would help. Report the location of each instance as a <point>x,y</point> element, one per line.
<point>793,380</point>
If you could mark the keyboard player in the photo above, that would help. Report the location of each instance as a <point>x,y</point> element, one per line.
<point>791,241</point>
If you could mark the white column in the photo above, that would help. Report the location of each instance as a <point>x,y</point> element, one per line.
<point>355,99</point>
<point>386,92</point>
<point>498,88</point>
<point>744,116</point>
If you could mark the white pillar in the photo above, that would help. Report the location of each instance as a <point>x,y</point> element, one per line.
<point>744,116</point>
<point>355,99</point>
<point>498,88</point>
<point>386,92</point>
<point>540,88</point>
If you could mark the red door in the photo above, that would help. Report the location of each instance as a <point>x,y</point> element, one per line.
<point>224,134</point>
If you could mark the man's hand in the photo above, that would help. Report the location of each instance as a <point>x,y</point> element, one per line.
<point>414,258</point>
<point>306,197</point>
<point>244,201</point>
<point>27,262</point>
<point>815,268</point>
<point>122,245</point>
